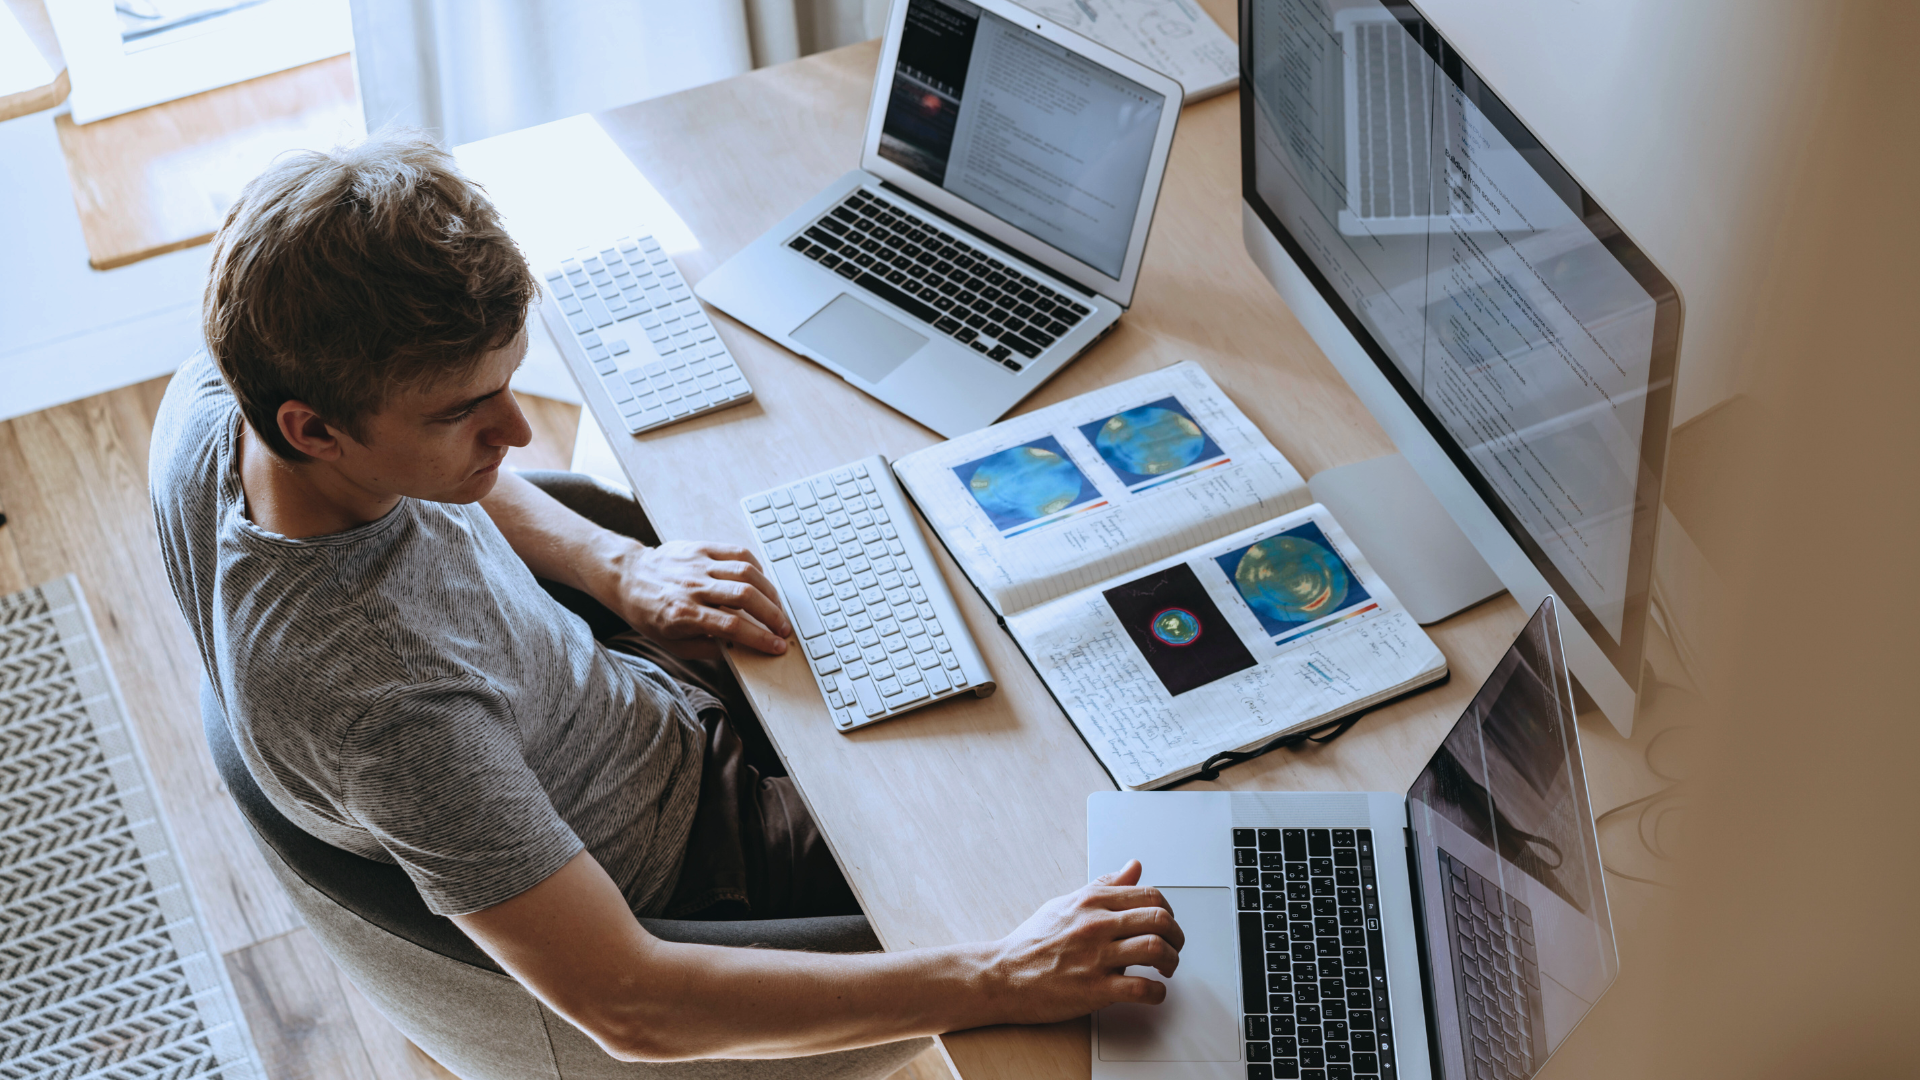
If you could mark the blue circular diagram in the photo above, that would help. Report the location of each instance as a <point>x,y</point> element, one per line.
<point>1289,579</point>
<point>1150,440</point>
<point>1025,482</point>
<point>1176,626</point>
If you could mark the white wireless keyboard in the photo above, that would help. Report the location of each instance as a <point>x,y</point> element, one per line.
<point>872,612</point>
<point>643,333</point>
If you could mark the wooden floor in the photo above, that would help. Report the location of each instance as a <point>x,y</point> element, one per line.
<point>74,492</point>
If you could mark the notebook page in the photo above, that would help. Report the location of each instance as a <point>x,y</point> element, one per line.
<point>1278,627</point>
<point>1037,506</point>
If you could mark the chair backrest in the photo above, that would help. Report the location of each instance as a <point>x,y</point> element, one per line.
<point>383,895</point>
<point>376,892</point>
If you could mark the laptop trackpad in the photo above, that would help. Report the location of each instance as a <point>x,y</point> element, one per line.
<point>1200,1020</point>
<point>858,338</point>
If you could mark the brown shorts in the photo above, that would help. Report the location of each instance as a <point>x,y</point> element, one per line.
<point>754,851</point>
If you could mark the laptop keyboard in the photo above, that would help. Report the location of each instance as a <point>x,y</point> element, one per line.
<point>1313,968</point>
<point>1496,974</point>
<point>940,278</point>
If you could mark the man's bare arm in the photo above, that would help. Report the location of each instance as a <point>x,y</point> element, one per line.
<point>572,941</point>
<point>676,591</point>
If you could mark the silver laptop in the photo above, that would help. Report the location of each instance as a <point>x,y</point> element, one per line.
<point>995,226</point>
<point>1459,930</point>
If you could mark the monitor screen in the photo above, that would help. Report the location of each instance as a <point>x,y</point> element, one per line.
<point>1047,141</point>
<point>1527,333</point>
<point>1518,931</point>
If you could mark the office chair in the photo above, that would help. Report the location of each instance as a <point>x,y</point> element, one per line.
<point>448,996</point>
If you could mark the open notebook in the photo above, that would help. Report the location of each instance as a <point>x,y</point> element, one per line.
<point>1167,573</point>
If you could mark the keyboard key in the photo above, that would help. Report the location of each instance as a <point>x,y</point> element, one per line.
<point>869,699</point>
<point>907,694</point>
<point>596,309</point>
<point>787,573</point>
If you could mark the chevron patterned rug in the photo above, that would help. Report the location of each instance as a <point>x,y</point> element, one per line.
<point>105,967</point>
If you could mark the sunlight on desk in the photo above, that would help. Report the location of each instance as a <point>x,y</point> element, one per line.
<point>607,195</point>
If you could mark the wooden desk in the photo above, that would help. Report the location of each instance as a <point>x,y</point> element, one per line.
<point>956,821</point>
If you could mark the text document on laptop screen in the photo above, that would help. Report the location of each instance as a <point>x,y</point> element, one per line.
<point>1047,141</point>
<point>1522,333</point>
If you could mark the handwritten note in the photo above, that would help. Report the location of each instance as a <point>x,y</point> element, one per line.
<point>1145,735</point>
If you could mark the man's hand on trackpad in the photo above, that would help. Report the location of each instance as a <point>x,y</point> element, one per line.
<point>1070,957</point>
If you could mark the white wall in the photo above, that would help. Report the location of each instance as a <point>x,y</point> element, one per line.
<point>66,330</point>
<point>1681,117</point>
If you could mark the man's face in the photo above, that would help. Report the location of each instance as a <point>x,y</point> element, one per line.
<point>443,442</point>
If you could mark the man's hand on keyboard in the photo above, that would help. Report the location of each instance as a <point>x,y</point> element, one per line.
<point>686,590</point>
<point>1069,958</point>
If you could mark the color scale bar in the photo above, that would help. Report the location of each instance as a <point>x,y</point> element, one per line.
<point>1182,475</point>
<point>1335,620</point>
<point>1075,512</point>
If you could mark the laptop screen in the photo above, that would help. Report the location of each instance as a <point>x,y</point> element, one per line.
<point>1517,924</point>
<point>1050,142</point>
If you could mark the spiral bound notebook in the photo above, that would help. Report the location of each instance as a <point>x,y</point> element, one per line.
<point>1167,573</point>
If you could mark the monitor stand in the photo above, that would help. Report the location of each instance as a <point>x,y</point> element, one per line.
<point>1408,536</point>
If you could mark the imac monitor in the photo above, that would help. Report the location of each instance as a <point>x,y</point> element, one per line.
<point>1512,340</point>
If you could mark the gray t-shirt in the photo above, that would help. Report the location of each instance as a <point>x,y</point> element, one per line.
<point>406,691</point>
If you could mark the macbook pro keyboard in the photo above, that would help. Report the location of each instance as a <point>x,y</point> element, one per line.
<point>940,278</point>
<point>879,629</point>
<point>1313,967</point>
<point>645,336</point>
<point>1496,974</point>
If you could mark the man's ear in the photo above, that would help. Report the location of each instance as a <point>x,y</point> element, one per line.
<point>304,428</point>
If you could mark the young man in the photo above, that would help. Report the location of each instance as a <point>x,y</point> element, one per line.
<point>363,583</point>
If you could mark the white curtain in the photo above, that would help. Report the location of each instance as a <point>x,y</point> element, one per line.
<point>469,69</point>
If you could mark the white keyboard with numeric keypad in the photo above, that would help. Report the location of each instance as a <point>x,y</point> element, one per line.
<point>875,620</point>
<point>645,336</point>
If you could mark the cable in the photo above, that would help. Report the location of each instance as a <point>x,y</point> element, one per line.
<point>1631,877</point>
<point>1658,804</point>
